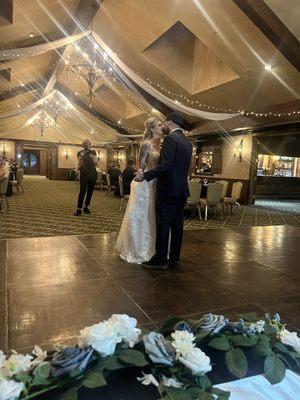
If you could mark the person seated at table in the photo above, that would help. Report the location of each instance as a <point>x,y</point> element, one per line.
<point>14,166</point>
<point>114,173</point>
<point>128,175</point>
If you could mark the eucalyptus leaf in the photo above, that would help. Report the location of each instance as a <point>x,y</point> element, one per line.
<point>94,380</point>
<point>222,394</point>
<point>274,369</point>
<point>133,357</point>
<point>244,341</point>
<point>220,343</point>
<point>70,394</point>
<point>236,362</point>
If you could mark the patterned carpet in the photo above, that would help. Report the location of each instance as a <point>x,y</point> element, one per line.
<point>46,209</point>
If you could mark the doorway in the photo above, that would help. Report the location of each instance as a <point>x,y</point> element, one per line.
<point>31,162</point>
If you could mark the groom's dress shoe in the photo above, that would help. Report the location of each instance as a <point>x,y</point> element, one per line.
<point>173,263</point>
<point>152,265</point>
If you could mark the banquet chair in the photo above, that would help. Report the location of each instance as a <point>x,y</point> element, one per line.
<point>18,182</point>
<point>224,188</point>
<point>123,196</point>
<point>109,187</point>
<point>195,192</point>
<point>214,193</point>
<point>235,196</point>
<point>98,183</point>
<point>3,198</point>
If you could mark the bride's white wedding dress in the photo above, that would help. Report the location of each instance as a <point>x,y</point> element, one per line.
<point>137,236</point>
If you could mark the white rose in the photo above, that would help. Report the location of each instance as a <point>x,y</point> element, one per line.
<point>197,361</point>
<point>2,358</point>
<point>40,355</point>
<point>10,390</point>
<point>290,339</point>
<point>126,328</point>
<point>171,382</point>
<point>148,379</point>
<point>103,337</point>
<point>183,342</point>
<point>17,363</point>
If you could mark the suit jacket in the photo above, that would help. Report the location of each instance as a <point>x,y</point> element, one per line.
<point>173,168</point>
<point>128,176</point>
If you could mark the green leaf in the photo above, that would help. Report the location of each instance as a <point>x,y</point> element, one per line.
<point>42,371</point>
<point>113,364</point>
<point>274,369</point>
<point>94,380</point>
<point>236,362</point>
<point>222,394</point>
<point>220,343</point>
<point>201,335</point>
<point>263,347</point>
<point>281,347</point>
<point>203,382</point>
<point>244,341</point>
<point>269,329</point>
<point>133,357</point>
<point>168,326</point>
<point>249,317</point>
<point>187,394</point>
<point>70,394</point>
<point>25,378</point>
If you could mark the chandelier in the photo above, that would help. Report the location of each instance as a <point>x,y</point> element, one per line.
<point>88,65</point>
<point>43,121</point>
<point>56,108</point>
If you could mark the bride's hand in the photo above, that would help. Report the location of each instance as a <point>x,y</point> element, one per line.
<point>139,175</point>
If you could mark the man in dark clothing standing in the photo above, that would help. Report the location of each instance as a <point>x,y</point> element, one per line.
<point>172,192</point>
<point>87,162</point>
<point>128,176</point>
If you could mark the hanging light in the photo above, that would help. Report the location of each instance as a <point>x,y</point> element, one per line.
<point>43,121</point>
<point>56,108</point>
<point>88,65</point>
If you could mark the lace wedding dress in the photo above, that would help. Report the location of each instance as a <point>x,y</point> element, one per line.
<point>137,236</point>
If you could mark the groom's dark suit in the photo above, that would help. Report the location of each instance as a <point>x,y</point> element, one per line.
<point>172,192</point>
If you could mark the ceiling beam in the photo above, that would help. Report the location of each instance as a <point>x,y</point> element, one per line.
<point>69,94</point>
<point>19,90</point>
<point>273,28</point>
<point>84,14</point>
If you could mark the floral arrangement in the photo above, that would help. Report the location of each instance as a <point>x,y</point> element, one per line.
<point>176,360</point>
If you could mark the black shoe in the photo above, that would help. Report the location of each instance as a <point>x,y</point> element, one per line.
<point>155,265</point>
<point>77,213</point>
<point>173,263</point>
<point>86,210</point>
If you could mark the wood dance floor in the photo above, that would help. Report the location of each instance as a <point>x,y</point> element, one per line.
<point>52,287</point>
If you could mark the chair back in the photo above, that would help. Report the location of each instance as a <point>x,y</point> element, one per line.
<point>121,186</point>
<point>236,190</point>
<point>214,192</point>
<point>195,192</point>
<point>225,187</point>
<point>99,177</point>
<point>3,186</point>
<point>108,181</point>
<point>195,180</point>
<point>20,174</point>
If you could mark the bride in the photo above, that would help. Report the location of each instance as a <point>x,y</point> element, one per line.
<point>137,236</point>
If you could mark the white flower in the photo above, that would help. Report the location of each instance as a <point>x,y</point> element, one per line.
<point>257,327</point>
<point>126,328</point>
<point>103,337</point>
<point>171,382</point>
<point>212,322</point>
<point>17,363</point>
<point>183,342</point>
<point>2,358</point>
<point>148,379</point>
<point>197,361</point>
<point>290,339</point>
<point>40,355</point>
<point>10,390</point>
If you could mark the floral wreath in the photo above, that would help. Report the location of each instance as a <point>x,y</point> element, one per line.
<point>173,358</point>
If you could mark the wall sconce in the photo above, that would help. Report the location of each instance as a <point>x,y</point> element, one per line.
<point>67,154</point>
<point>19,155</point>
<point>238,152</point>
<point>4,149</point>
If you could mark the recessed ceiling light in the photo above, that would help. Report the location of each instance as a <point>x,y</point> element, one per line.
<point>31,35</point>
<point>22,84</point>
<point>119,122</point>
<point>268,67</point>
<point>154,110</point>
<point>76,93</point>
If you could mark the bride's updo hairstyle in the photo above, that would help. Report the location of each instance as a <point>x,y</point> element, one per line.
<point>149,124</point>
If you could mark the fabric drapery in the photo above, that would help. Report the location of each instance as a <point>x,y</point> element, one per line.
<point>158,95</point>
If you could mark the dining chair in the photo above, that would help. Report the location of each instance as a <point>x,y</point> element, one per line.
<point>224,188</point>
<point>123,196</point>
<point>3,199</point>
<point>236,192</point>
<point>195,192</point>
<point>214,193</point>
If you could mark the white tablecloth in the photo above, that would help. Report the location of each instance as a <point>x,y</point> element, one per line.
<point>258,388</point>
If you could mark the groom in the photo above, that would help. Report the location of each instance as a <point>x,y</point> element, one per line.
<point>172,192</point>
